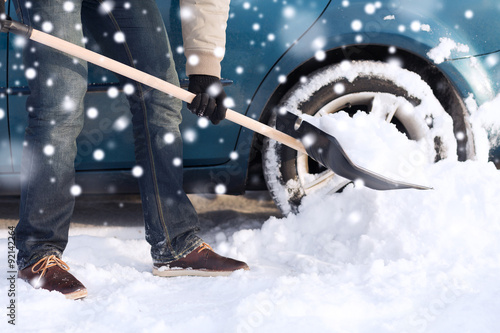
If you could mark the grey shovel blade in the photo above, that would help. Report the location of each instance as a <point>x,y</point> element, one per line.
<point>327,151</point>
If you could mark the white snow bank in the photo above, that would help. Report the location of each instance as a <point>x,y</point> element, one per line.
<point>359,261</point>
<point>356,261</point>
<point>443,51</point>
<point>486,122</point>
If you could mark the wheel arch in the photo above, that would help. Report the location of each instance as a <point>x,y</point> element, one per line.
<point>444,89</point>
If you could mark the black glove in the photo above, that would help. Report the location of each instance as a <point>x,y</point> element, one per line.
<point>210,96</point>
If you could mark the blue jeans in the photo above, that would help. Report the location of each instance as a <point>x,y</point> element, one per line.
<point>56,115</point>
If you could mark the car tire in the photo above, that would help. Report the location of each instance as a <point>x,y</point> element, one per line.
<point>353,86</point>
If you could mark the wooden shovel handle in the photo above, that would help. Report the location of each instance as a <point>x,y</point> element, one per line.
<point>154,82</point>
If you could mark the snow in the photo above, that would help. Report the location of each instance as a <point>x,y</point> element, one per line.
<point>359,261</point>
<point>443,51</point>
<point>356,261</point>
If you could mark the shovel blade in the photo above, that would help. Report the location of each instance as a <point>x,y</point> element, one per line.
<point>326,150</point>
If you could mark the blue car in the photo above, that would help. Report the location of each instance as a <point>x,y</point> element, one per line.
<point>320,56</point>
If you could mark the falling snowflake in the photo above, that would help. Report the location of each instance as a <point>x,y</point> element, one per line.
<point>98,154</point>
<point>177,161</point>
<point>234,155</point>
<point>190,135</point>
<point>68,6</point>
<point>30,73</point>
<point>2,114</point>
<point>92,113</point>
<point>106,7</point>
<point>370,8</point>
<point>76,190</point>
<point>239,70</point>
<point>320,55</point>
<point>186,13</point>
<point>220,189</point>
<point>121,123</point>
<point>356,25</point>
<point>193,60</point>
<point>469,14</point>
<point>339,88</point>
<point>20,41</point>
<point>203,122</point>
<point>308,140</point>
<point>68,104</point>
<point>169,138</point>
<point>214,90</point>
<point>219,52</point>
<point>49,150</point>
<point>47,27</point>
<point>492,60</point>
<point>289,12</point>
<point>119,37</point>
<point>318,43</point>
<point>113,92</point>
<point>128,89</point>
<point>229,102</point>
<point>415,26</point>
<point>137,171</point>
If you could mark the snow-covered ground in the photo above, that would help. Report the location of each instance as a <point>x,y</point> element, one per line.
<point>356,261</point>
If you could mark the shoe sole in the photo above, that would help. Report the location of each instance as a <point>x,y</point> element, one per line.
<point>79,294</point>
<point>189,272</point>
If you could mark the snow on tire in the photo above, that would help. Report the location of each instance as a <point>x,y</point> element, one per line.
<point>393,93</point>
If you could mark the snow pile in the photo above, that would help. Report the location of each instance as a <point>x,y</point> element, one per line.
<point>443,51</point>
<point>378,145</point>
<point>356,261</point>
<point>486,123</point>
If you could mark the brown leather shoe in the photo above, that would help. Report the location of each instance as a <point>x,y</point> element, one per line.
<point>203,261</point>
<point>51,273</point>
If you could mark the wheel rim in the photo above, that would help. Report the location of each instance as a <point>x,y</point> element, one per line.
<point>386,106</point>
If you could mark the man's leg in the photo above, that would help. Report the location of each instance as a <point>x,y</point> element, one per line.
<point>170,219</point>
<point>55,118</point>
<point>133,33</point>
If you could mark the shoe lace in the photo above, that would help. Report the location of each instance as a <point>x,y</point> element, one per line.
<point>204,246</point>
<point>45,263</point>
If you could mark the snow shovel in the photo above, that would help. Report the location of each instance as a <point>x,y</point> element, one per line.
<point>326,150</point>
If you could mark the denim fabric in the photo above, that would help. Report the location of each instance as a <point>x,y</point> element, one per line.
<point>56,115</point>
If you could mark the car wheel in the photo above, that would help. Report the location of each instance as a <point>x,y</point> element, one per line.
<point>363,86</point>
